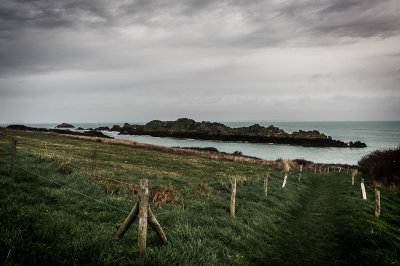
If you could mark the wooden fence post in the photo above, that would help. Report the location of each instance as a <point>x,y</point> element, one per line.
<point>353,174</point>
<point>128,221</point>
<point>348,168</point>
<point>315,169</point>
<point>233,197</point>
<point>364,195</point>
<point>340,169</point>
<point>301,169</point>
<point>327,169</point>
<point>94,163</point>
<point>13,155</point>
<point>377,203</point>
<point>285,179</point>
<point>156,226</point>
<point>266,184</point>
<point>143,213</point>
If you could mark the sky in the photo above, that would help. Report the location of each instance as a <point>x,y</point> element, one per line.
<point>232,60</point>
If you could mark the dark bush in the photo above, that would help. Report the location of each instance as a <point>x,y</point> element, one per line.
<point>302,162</point>
<point>382,167</point>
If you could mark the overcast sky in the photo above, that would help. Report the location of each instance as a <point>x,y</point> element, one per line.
<point>237,60</point>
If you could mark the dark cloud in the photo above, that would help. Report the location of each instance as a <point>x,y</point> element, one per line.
<point>200,54</point>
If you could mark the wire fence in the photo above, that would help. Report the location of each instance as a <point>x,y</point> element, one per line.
<point>131,184</point>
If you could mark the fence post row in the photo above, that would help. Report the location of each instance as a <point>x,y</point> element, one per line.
<point>233,197</point>
<point>13,155</point>
<point>363,193</point>
<point>377,203</point>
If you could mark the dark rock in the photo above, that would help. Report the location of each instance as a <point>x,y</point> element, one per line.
<point>65,125</point>
<point>188,128</point>
<point>357,144</point>
<point>80,128</point>
<point>103,128</point>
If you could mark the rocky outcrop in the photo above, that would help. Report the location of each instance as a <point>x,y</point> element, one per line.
<point>188,128</point>
<point>65,125</point>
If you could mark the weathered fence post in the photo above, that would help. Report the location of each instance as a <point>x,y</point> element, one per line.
<point>340,169</point>
<point>13,155</point>
<point>353,174</point>
<point>285,179</point>
<point>233,197</point>
<point>143,209</point>
<point>301,169</point>
<point>266,184</point>
<point>327,170</point>
<point>94,163</point>
<point>156,226</point>
<point>315,169</point>
<point>143,213</point>
<point>377,203</point>
<point>348,168</point>
<point>364,195</point>
<point>128,221</point>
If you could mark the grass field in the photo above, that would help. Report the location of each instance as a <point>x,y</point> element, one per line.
<point>44,219</point>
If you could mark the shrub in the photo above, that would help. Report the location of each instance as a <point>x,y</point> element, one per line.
<point>382,167</point>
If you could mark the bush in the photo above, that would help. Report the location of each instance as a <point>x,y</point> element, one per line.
<point>382,167</point>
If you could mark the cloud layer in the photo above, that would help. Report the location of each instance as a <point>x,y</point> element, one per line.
<point>210,60</point>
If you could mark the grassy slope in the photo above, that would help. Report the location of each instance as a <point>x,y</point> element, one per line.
<point>320,220</point>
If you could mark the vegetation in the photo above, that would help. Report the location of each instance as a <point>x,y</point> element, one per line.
<point>382,167</point>
<point>320,220</point>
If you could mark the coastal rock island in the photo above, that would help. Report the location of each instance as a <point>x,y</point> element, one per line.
<point>188,128</point>
<point>65,125</point>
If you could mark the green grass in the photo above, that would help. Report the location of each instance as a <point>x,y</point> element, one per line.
<point>321,220</point>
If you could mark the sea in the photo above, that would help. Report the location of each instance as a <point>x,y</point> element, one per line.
<point>377,135</point>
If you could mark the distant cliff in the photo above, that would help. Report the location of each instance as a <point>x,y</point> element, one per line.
<point>188,128</point>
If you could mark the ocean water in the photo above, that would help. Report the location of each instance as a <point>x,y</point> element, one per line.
<point>377,136</point>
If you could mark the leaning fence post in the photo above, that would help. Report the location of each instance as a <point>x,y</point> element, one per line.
<point>13,154</point>
<point>128,221</point>
<point>301,169</point>
<point>364,195</point>
<point>143,213</point>
<point>266,184</point>
<point>233,197</point>
<point>377,203</point>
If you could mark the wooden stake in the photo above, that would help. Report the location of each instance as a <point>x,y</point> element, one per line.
<point>327,170</point>
<point>315,169</point>
<point>377,203</point>
<point>94,163</point>
<point>301,169</point>
<point>353,174</point>
<point>285,179</point>
<point>364,195</point>
<point>266,184</point>
<point>348,168</point>
<point>156,226</point>
<point>143,210</point>
<point>13,155</point>
<point>233,197</point>
<point>128,221</point>
<point>340,169</point>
